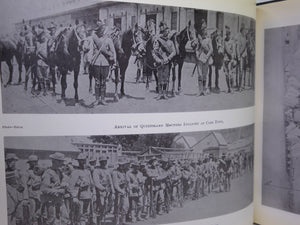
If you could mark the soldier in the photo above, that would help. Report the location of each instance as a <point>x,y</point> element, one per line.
<point>121,191</point>
<point>34,181</point>
<point>154,173</point>
<point>53,190</point>
<point>51,56</point>
<point>104,189</point>
<point>29,53</point>
<point>87,49</point>
<point>42,66</point>
<point>229,61</point>
<point>19,208</point>
<point>163,53</point>
<point>241,56</point>
<point>136,181</point>
<point>104,54</point>
<point>204,51</point>
<point>80,187</point>
<point>176,184</point>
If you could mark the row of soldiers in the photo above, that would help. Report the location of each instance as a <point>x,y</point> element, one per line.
<point>86,191</point>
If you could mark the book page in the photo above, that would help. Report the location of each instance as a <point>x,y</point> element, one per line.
<point>123,111</point>
<point>277,172</point>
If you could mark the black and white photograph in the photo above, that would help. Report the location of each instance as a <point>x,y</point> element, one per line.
<point>119,57</point>
<point>281,126</point>
<point>128,179</point>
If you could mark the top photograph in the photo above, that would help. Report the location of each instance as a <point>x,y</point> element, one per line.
<point>58,57</point>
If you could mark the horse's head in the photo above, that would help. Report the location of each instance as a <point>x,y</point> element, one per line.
<point>127,41</point>
<point>186,35</point>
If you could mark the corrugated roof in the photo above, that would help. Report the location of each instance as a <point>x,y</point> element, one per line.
<point>187,141</point>
<point>50,143</point>
<point>220,138</point>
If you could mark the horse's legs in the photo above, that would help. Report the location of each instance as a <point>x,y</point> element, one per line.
<point>1,73</point>
<point>19,61</point>
<point>52,77</point>
<point>27,71</point>
<point>156,79</point>
<point>75,84</point>
<point>173,79</point>
<point>91,81</point>
<point>116,97</point>
<point>180,65</point>
<point>10,67</point>
<point>63,82</point>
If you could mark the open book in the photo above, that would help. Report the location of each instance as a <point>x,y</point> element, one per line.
<point>149,112</point>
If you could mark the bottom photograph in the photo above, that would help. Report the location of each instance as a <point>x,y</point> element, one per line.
<point>128,179</point>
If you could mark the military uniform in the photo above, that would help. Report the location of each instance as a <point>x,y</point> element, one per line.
<point>29,55</point>
<point>19,208</point>
<point>104,54</point>
<point>121,189</point>
<point>204,51</point>
<point>229,61</point>
<point>241,55</point>
<point>52,192</point>
<point>80,185</point>
<point>51,42</point>
<point>163,52</point>
<point>136,182</point>
<point>42,66</point>
<point>104,192</point>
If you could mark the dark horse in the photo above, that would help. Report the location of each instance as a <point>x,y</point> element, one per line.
<point>67,57</point>
<point>180,42</point>
<point>8,49</point>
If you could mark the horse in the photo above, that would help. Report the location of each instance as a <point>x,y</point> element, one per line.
<point>10,48</point>
<point>180,41</point>
<point>67,57</point>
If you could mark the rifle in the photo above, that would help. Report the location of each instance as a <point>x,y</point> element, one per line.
<point>151,198</point>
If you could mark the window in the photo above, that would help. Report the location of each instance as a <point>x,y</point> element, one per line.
<point>174,21</point>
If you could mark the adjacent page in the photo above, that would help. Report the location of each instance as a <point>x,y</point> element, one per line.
<point>126,111</point>
<point>277,168</point>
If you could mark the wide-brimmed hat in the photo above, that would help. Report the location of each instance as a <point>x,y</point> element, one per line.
<point>81,156</point>
<point>101,29</point>
<point>123,162</point>
<point>57,156</point>
<point>153,159</point>
<point>11,156</point>
<point>51,26</point>
<point>134,164</point>
<point>102,158</point>
<point>33,158</point>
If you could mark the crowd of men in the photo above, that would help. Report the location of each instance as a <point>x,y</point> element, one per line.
<point>87,191</point>
<point>234,54</point>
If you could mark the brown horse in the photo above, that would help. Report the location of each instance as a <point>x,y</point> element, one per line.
<point>10,48</point>
<point>67,57</point>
